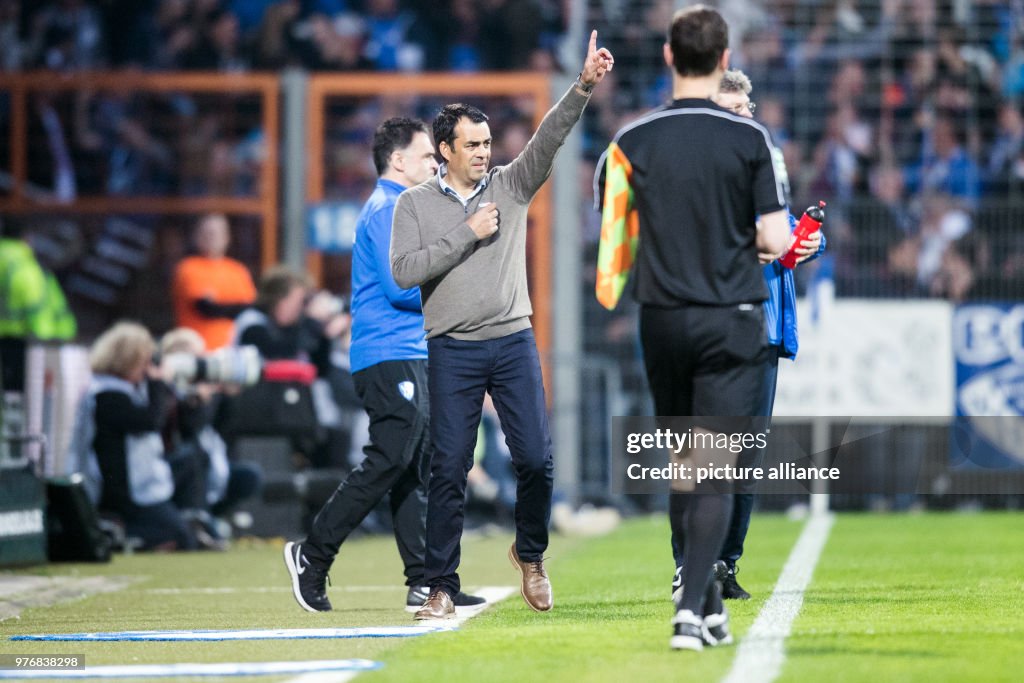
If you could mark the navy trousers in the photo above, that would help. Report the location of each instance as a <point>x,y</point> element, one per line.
<point>459,373</point>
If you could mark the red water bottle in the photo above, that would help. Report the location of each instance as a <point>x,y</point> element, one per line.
<point>809,223</point>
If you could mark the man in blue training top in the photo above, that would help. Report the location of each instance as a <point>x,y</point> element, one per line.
<point>389,367</point>
<point>780,323</point>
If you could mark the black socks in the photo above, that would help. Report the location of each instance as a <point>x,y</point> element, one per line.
<point>699,524</point>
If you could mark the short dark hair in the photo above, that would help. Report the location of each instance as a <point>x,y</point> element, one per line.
<point>698,37</point>
<point>395,133</point>
<point>448,118</point>
<point>276,283</point>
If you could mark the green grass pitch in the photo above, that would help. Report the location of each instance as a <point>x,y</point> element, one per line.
<point>933,597</point>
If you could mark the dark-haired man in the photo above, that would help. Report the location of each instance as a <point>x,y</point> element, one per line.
<point>783,342</point>
<point>685,185</point>
<point>389,367</point>
<point>462,238</point>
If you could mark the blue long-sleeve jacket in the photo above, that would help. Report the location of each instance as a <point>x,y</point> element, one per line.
<point>780,306</point>
<point>387,321</point>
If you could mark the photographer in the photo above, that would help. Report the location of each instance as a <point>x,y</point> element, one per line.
<point>118,444</point>
<point>192,437</point>
<point>286,323</point>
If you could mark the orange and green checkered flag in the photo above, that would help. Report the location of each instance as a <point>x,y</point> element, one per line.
<point>620,229</point>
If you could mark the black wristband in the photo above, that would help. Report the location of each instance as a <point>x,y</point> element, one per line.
<point>583,86</point>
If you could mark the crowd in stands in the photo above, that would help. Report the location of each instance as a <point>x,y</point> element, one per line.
<point>241,35</point>
<point>905,115</point>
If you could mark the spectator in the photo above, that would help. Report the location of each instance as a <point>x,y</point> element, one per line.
<point>131,31</point>
<point>274,41</point>
<point>67,35</point>
<point>878,223</point>
<point>900,278</point>
<point>1006,147</point>
<point>219,45</point>
<point>176,35</point>
<point>958,274</point>
<point>210,289</point>
<point>250,13</point>
<point>946,166</point>
<point>118,127</point>
<point>513,138</point>
<point>12,48</point>
<point>1013,70</point>
<point>841,33</point>
<point>943,222</point>
<point>509,33</point>
<point>464,36</point>
<point>842,155</point>
<point>762,56</point>
<point>54,172</point>
<point>334,44</point>
<point>387,44</point>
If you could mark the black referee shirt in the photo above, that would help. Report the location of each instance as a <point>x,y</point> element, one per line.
<point>700,175</point>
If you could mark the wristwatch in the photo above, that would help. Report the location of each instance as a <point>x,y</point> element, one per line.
<point>583,86</point>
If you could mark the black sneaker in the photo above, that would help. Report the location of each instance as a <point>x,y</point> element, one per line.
<point>309,580</point>
<point>687,631</point>
<point>463,602</point>
<point>677,585</point>
<point>415,598</point>
<point>731,590</point>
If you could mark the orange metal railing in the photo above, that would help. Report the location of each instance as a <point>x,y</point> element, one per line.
<point>264,203</point>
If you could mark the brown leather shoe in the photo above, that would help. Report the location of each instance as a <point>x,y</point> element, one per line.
<point>536,588</point>
<point>439,605</point>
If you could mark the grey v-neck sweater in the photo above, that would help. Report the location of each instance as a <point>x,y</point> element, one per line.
<point>477,289</point>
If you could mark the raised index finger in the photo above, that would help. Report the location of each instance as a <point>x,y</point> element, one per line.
<point>593,42</point>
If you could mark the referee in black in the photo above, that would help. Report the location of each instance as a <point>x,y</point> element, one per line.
<point>694,177</point>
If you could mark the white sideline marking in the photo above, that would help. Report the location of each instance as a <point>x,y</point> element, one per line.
<point>762,650</point>
<point>324,677</point>
<point>348,666</point>
<point>241,634</point>
<point>230,590</point>
<point>493,594</point>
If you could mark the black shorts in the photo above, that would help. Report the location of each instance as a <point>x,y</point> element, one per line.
<point>705,360</point>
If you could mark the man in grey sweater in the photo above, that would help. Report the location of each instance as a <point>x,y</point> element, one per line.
<point>461,237</point>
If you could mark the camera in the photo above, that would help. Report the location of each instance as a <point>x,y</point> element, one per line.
<point>241,366</point>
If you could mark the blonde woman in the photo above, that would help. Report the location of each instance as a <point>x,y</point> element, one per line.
<point>119,425</point>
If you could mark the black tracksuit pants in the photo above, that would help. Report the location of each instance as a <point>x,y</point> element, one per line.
<point>397,462</point>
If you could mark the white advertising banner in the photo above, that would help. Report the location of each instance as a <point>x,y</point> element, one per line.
<point>871,358</point>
